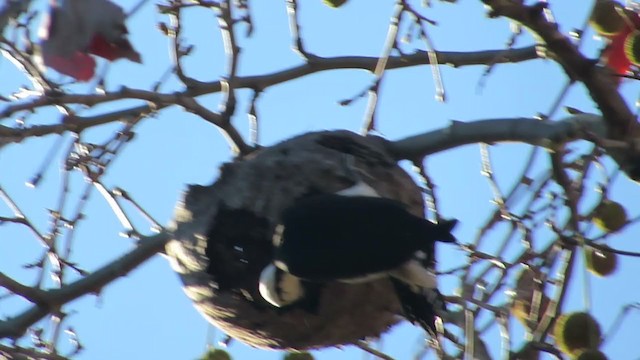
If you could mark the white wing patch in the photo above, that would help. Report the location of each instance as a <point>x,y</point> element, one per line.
<point>279,288</point>
<point>359,189</point>
<point>416,275</point>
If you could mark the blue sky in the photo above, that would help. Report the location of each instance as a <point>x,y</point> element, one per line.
<point>146,314</point>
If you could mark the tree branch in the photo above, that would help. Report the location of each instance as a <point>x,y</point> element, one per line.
<point>34,295</point>
<point>53,299</point>
<point>531,131</point>
<point>20,353</point>
<point>258,82</point>
<point>598,80</point>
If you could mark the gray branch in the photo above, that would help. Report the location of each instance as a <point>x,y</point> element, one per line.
<point>525,130</point>
<point>597,80</point>
<point>256,82</point>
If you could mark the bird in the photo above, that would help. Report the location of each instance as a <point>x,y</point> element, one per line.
<point>355,236</point>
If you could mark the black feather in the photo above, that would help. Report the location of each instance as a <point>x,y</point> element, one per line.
<point>420,307</point>
<point>329,237</point>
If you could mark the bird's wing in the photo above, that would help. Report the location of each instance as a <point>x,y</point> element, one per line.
<point>329,237</point>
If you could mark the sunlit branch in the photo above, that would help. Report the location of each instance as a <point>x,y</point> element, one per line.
<point>429,189</point>
<point>505,337</point>
<point>254,120</point>
<point>294,29</point>
<point>598,81</point>
<point>257,82</point>
<point>487,171</point>
<point>20,353</point>
<point>365,347</point>
<point>155,225</point>
<point>469,333</point>
<point>565,274</point>
<point>381,66</point>
<point>116,208</point>
<point>24,63</point>
<point>530,131</point>
<point>232,51</point>
<point>176,48</point>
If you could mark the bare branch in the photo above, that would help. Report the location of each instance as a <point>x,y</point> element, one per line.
<point>34,295</point>
<point>381,66</point>
<point>598,80</point>
<point>365,347</point>
<point>20,353</point>
<point>294,28</point>
<point>115,206</point>
<point>259,82</point>
<point>531,131</point>
<point>52,299</point>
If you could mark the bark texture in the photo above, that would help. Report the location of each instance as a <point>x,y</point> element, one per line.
<point>222,241</point>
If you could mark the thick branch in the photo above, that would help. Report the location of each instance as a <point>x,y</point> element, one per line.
<point>34,295</point>
<point>531,131</point>
<point>20,353</point>
<point>54,299</point>
<point>259,82</point>
<point>598,80</point>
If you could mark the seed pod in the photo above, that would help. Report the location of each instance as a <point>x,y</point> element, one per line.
<point>298,356</point>
<point>592,354</point>
<point>576,332</point>
<point>606,18</point>
<point>216,354</point>
<point>601,262</point>
<point>632,47</point>
<point>334,3</point>
<point>610,216</point>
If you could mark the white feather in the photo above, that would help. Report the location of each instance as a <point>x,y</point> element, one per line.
<point>279,288</point>
<point>359,189</point>
<point>415,275</point>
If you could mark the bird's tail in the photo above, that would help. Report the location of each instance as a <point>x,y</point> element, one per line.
<point>443,230</point>
<point>423,306</point>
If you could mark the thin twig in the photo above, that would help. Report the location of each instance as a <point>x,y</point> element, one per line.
<point>52,299</point>
<point>381,65</point>
<point>364,346</point>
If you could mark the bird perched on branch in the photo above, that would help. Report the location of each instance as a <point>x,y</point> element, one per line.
<point>356,236</point>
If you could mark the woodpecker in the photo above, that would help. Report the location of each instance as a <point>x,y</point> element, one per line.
<point>352,238</point>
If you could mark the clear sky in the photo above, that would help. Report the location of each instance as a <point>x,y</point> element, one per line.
<point>146,315</point>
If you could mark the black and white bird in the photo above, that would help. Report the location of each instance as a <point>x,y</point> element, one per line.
<point>356,236</point>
